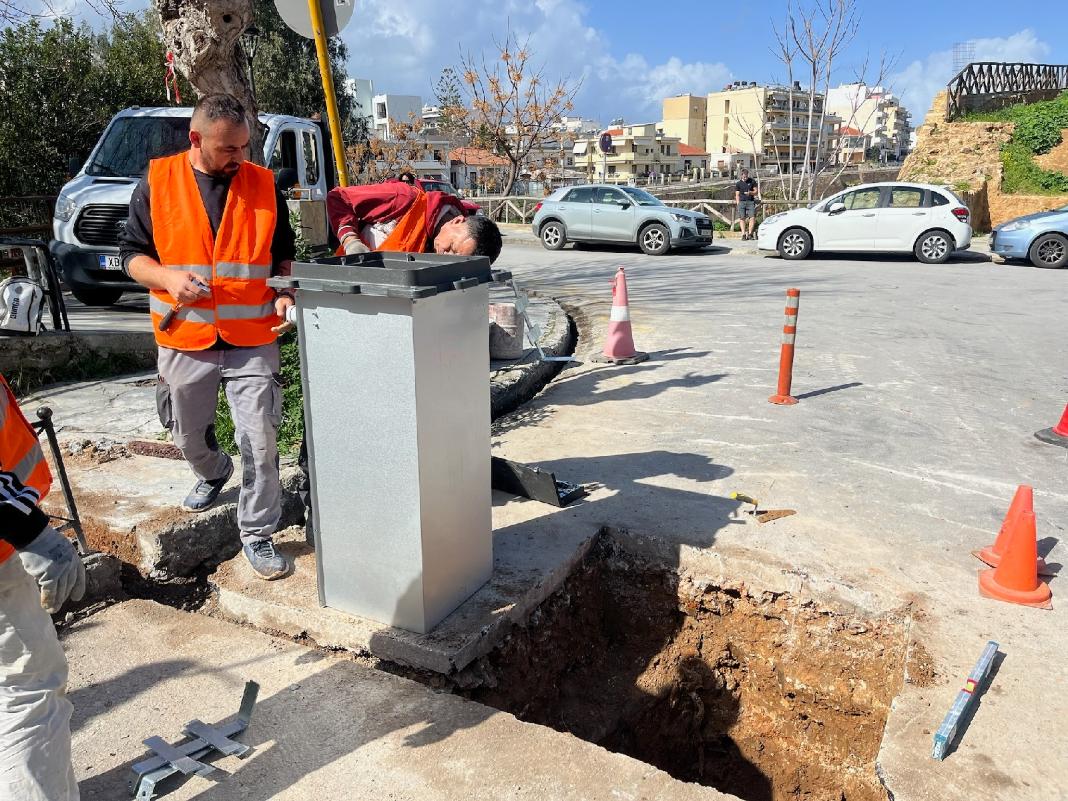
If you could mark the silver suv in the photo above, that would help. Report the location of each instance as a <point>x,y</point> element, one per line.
<point>606,213</point>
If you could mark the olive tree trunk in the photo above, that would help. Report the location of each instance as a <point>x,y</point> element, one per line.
<point>205,37</point>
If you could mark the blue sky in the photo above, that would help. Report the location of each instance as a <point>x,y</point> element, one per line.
<point>630,56</point>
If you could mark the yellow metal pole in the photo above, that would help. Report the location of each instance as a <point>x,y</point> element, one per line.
<point>319,32</point>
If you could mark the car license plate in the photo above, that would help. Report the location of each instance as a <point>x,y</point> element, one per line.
<point>109,262</point>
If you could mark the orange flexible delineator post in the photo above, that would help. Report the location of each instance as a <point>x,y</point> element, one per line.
<point>1016,580</point>
<point>786,357</point>
<point>1058,434</point>
<point>1022,501</point>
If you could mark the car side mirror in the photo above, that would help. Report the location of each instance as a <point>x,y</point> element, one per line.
<point>836,208</point>
<point>74,165</point>
<point>624,206</point>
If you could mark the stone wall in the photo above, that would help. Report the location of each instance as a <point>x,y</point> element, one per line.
<point>31,362</point>
<point>966,156</point>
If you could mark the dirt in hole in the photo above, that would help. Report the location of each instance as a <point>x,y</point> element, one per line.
<point>756,695</point>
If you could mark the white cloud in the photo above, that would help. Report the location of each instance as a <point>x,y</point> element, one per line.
<point>918,83</point>
<point>402,47</point>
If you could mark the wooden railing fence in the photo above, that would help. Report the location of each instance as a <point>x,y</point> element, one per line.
<point>989,85</point>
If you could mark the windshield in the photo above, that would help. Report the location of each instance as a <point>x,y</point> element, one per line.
<point>438,186</point>
<point>641,197</point>
<point>131,141</point>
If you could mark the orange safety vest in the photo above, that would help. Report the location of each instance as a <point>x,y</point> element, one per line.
<point>236,262</point>
<point>410,233</point>
<point>20,452</point>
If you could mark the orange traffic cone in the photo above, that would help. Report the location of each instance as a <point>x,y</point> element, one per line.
<point>1016,579</point>
<point>619,346</point>
<point>991,554</point>
<point>1058,435</point>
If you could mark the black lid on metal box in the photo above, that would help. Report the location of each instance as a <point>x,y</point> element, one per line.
<point>405,275</point>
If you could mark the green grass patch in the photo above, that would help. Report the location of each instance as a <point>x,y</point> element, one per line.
<point>1038,130</point>
<point>291,431</point>
<point>1023,176</point>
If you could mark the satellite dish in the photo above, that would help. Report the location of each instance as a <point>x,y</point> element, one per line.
<point>295,14</point>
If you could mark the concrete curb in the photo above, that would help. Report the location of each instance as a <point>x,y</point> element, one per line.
<point>512,385</point>
<point>54,357</point>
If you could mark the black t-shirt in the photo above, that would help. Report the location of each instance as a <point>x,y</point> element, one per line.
<point>746,189</point>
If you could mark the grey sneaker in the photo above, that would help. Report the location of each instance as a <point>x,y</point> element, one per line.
<point>204,493</point>
<point>265,560</point>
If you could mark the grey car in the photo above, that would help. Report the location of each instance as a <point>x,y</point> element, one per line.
<point>616,214</point>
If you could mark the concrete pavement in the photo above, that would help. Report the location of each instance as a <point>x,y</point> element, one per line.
<point>324,727</point>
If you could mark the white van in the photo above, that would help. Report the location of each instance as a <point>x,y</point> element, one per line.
<point>93,206</point>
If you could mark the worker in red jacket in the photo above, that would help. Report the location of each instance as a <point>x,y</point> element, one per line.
<point>396,216</point>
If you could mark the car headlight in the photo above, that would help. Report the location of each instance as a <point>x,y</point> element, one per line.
<point>65,208</point>
<point>682,218</point>
<point>1013,226</point>
<point>774,217</point>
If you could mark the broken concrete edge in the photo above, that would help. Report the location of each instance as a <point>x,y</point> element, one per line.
<point>559,339</point>
<point>30,363</point>
<point>447,650</point>
<point>182,544</point>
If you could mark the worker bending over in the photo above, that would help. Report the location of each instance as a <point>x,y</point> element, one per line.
<point>396,216</point>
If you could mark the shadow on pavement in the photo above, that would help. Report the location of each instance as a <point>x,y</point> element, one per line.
<point>817,392</point>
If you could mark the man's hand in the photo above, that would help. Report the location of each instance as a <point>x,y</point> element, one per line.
<point>183,287</point>
<point>56,567</point>
<point>282,304</point>
<point>353,245</point>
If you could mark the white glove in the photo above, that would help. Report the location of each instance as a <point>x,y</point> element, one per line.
<point>353,245</point>
<point>57,568</point>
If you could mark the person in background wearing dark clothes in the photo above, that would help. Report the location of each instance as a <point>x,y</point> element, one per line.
<point>206,230</point>
<point>746,194</point>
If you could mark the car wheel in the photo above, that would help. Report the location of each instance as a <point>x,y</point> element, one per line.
<point>96,295</point>
<point>933,247</point>
<point>553,236</point>
<point>795,243</point>
<point>1049,250</point>
<point>655,239</point>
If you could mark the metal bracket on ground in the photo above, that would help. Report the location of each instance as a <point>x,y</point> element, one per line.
<point>533,331</point>
<point>166,760</point>
<point>533,482</point>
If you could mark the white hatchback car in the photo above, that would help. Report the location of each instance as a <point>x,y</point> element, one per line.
<point>928,221</point>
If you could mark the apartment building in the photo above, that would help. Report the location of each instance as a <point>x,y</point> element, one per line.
<point>686,117</point>
<point>877,113</point>
<point>390,109</point>
<point>757,119</point>
<point>640,151</point>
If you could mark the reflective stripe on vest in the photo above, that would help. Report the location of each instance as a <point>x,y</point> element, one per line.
<point>235,262</point>
<point>20,452</point>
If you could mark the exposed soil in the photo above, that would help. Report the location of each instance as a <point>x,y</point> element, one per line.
<point>1057,158</point>
<point>162,450</point>
<point>754,694</point>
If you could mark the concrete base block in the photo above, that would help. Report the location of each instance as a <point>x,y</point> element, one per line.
<point>531,560</point>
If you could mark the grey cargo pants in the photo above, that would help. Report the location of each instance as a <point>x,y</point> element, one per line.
<point>187,397</point>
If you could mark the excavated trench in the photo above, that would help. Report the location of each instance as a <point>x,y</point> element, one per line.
<point>755,694</point>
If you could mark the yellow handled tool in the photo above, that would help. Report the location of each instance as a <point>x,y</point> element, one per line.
<point>738,496</point>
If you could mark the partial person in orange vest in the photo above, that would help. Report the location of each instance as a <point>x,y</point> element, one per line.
<point>206,230</point>
<point>35,762</point>
<point>396,216</point>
